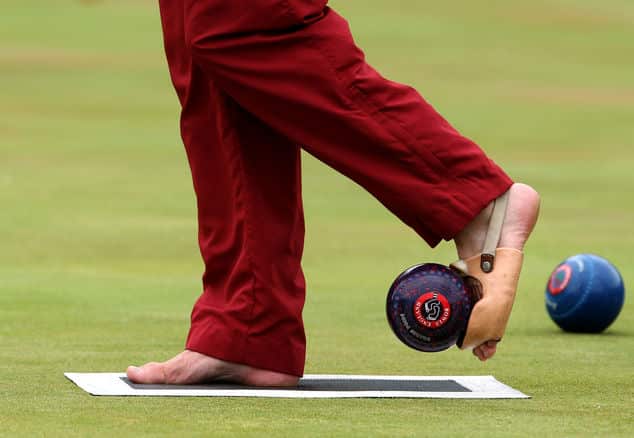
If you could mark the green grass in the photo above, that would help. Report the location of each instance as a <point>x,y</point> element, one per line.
<point>98,260</point>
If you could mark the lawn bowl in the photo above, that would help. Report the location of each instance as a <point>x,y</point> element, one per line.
<point>428,307</point>
<point>585,294</point>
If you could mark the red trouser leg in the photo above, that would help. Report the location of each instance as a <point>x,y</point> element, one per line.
<point>251,228</point>
<point>251,232</point>
<point>293,65</point>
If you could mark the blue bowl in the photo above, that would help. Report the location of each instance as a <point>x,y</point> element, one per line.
<point>585,294</point>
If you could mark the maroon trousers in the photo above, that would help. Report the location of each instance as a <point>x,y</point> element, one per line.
<point>257,80</point>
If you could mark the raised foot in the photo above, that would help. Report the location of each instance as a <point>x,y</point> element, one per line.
<point>190,368</point>
<point>521,215</point>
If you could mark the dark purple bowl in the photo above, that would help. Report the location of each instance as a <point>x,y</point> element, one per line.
<point>428,307</point>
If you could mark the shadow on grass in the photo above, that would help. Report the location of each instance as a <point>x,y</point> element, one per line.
<point>553,331</point>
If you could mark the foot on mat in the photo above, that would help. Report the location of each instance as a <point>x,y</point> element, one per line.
<point>190,367</point>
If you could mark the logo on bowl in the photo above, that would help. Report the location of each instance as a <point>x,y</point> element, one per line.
<point>432,310</point>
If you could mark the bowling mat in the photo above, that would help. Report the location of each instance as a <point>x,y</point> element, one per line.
<point>311,386</point>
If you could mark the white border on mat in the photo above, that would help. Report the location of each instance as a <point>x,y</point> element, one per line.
<point>481,387</point>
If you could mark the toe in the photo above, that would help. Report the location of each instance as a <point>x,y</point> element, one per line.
<point>489,349</point>
<point>477,352</point>
<point>149,373</point>
<point>485,351</point>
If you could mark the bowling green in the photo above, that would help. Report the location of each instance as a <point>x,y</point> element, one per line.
<point>99,265</point>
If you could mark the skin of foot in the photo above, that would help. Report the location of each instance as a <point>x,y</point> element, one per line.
<point>190,367</point>
<point>521,216</point>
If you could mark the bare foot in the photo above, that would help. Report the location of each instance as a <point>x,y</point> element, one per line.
<point>190,367</point>
<point>521,215</point>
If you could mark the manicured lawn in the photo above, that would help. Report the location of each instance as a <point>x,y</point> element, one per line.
<point>99,265</point>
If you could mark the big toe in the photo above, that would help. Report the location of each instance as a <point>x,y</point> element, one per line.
<point>149,373</point>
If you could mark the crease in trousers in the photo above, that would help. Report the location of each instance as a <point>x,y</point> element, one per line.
<point>258,80</point>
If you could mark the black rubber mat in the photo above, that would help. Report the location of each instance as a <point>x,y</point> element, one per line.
<point>325,384</point>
